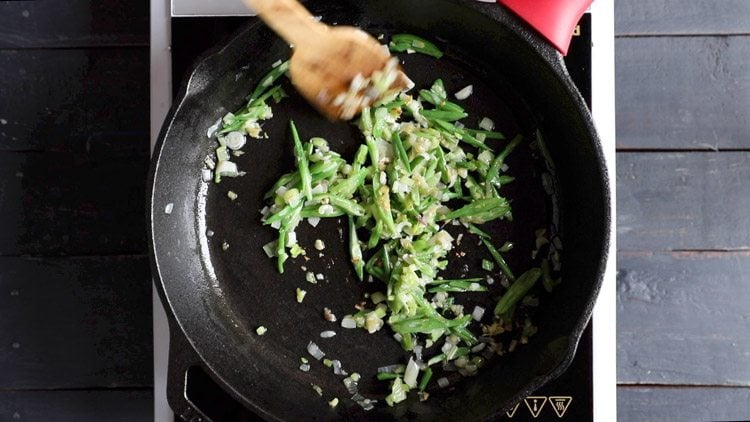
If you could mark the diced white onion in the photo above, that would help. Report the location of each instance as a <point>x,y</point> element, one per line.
<point>325,209</point>
<point>270,248</point>
<point>410,375</point>
<point>478,348</point>
<point>348,322</point>
<point>351,386</point>
<point>291,238</point>
<point>443,382</point>
<point>235,140</point>
<point>327,334</point>
<point>477,313</point>
<point>227,168</point>
<point>168,208</point>
<point>315,351</point>
<point>487,124</point>
<point>304,367</point>
<point>313,221</point>
<point>390,369</point>
<point>377,297</point>
<point>212,130</point>
<point>465,92</point>
<point>337,369</point>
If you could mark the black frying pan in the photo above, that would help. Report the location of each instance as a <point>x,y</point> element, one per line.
<point>218,297</point>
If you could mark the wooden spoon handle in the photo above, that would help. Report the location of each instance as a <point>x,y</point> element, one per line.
<point>289,19</point>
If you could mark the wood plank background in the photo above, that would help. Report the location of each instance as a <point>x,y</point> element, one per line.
<point>683,226</point>
<point>75,286</point>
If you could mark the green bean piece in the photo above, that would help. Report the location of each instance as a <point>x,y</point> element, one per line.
<point>487,133</point>
<point>281,250</point>
<point>426,375</point>
<point>383,376</point>
<point>499,259</point>
<point>268,80</point>
<point>445,115</point>
<point>302,163</point>
<point>458,286</point>
<point>481,210</point>
<point>400,151</point>
<point>405,42</point>
<point>517,290</point>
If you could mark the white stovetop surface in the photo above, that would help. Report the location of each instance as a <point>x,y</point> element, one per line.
<point>603,110</point>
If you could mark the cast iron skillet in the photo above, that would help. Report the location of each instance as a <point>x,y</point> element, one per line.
<point>218,297</point>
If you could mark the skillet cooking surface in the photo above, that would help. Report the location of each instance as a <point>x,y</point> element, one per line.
<point>219,297</point>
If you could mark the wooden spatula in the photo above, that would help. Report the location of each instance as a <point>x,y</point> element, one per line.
<point>338,69</point>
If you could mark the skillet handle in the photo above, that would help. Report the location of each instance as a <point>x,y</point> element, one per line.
<point>181,358</point>
<point>554,19</point>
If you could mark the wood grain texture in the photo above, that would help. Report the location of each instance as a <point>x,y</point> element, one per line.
<point>683,318</point>
<point>73,23</point>
<point>696,200</point>
<point>75,323</point>
<point>92,100</point>
<point>71,204</point>
<point>683,404</point>
<point>683,92</point>
<point>684,17</point>
<point>78,406</point>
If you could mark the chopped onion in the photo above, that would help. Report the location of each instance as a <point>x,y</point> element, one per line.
<point>270,248</point>
<point>478,347</point>
<point>291,238</point>
<point>337,368</point>
<point>348,322</point>
<point>351,386</point>
<point>212,130</point>
<point>317,389</point>
<point>301,295</point>
<point>326,209</point>
<point>477,313</point>
<point>227,169</point>
<point>465,92</point>
<point>392,369</point>
<point>373,322</point>
<point>207,175</point>
<point>315,351</point>
<point>310,277</point>
<point>443,382</point>
<point>313,221</point>
<point>235,140</point>
<point>411,373</point>
<point>418,352</point>
<point>168,208</point>
<point>487,124</point>
<point>304,367</point>
<point>377,297</point>
<point>327,334</point>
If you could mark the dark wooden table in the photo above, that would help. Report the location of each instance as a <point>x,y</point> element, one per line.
<point>683,204</point>
<point>75,294</point>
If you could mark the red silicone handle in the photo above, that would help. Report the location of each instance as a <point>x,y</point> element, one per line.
<point>554,19</point>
